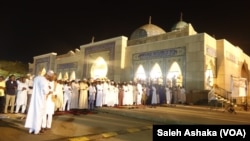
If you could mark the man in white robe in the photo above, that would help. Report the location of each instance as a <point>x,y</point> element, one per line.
<point>99,92</point>
<point>168,95</point>
<point>21,98</point>
<point>83,98</point>
<point>37,107</point>
<point>67,96</point>
<point>59,95</point>
<point>50,105</point>
<point>139,93</point>
<point>74,103</point>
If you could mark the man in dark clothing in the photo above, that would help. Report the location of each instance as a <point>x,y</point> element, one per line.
<point>11,87</point>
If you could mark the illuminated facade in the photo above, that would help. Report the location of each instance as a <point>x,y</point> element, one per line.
<point>181,56</point>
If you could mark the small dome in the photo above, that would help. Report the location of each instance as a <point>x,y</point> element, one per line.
<point>179,25</point>
<point>147,31</point>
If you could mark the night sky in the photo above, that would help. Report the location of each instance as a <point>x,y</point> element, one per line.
<point>28,29</point>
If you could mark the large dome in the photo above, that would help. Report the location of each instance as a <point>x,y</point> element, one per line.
<point>146,31</point>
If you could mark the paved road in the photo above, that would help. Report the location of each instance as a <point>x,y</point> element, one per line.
<point>98,125</point>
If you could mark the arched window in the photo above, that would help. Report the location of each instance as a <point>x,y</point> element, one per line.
<point>174,75</point>
<point>156,74</point>
<point>99,68</point>
<point>140,73</point>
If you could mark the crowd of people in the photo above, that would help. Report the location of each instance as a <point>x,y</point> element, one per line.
<point>41,96</point>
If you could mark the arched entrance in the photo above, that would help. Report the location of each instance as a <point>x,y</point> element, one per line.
<point>66,76</point>
<point>99,69</point>
<point>156,74</point>
<point>209,75</point>
<point>140,74</point>
<point>174,75</point>
<point>245,71</point>
<point>72,76</point>
<point>245,74</point>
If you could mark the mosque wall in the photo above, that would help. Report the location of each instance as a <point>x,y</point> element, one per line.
<point>195,62</point>
<point>69,65</point>
<point>210,50</point>
<point>198,59</point>
<point>189,55</point>
<point>119,58</point>
<point>112,51</point>
<point>46,61</point>
<point>220,64</point>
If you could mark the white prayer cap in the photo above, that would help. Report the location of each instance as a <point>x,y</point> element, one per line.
<point>50,73</point>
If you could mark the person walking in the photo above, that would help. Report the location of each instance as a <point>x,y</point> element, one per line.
<point>37,107</point>
<point>11,90</point>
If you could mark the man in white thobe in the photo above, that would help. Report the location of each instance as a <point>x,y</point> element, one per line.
<point>21,98</point>
<point>37,107</point>
<point>99,89</point>
<point>74,103</point>
<point>139,93</point>
<point>50,105</point>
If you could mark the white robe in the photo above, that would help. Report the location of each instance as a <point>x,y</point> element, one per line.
<point>183,95</point>
<point>74,103</point>
<point>139,93</point>
<point>59,94</point>
<point>37,107</point>
<point>99,89</point>
<point>168,96</point>
<point>130,94</point>
<point>83,98</point>
<point>125,95</point>
<point>21,99</point>
<point>105,93</point>
<point>50,105</point>
<point>110,96</point>
<point>67,97</point>
<point>154,96</point>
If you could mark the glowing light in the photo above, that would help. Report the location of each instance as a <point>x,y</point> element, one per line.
<point>72,76</point>
<point>59,76</point>
<point>174,74</point>
<point>140,73</point>
<point>66,76</point>
<point>156,73</point>
<point>99,69</point>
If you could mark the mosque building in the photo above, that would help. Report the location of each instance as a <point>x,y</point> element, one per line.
<point>180,57</point>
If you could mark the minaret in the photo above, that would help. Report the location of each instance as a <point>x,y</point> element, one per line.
<point>150,18</point>
<point>181,16</point>
<point>92,40</point>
